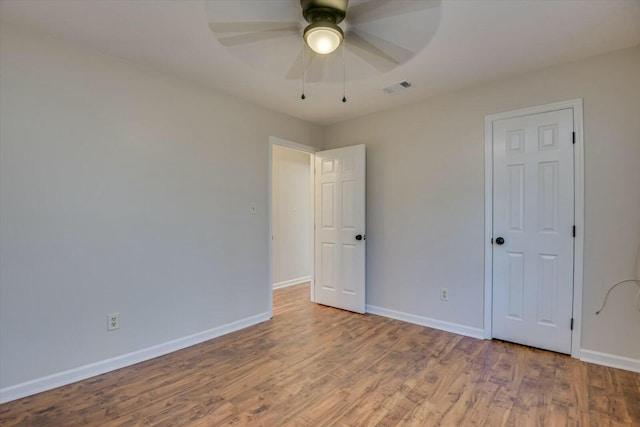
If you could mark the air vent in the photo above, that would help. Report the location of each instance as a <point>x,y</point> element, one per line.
<point>397,86</point>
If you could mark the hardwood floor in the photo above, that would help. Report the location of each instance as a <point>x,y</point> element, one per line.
<point>313,365</point>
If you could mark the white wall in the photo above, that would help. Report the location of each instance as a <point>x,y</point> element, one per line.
<point>291,216</point>
<point>425,201</point>
<point>123,190</point>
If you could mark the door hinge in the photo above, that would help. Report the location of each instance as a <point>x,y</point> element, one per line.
<point>574,231</point>
<point>572,323</point>
<point>574,137</point>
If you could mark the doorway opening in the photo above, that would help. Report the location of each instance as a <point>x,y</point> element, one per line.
<point>291,198</point>
<point>331,252</point>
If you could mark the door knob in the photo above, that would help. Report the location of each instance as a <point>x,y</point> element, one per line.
<point>360,237</point>
<point>499,241</point>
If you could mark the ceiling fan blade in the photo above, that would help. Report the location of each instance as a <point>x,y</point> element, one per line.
<point>253,27</point>
<point>254,37</point>
<point>382,54</point>
<point>314,67</point>
<point>295,71</point>
<point>254,31</point>
<point>377,9</point>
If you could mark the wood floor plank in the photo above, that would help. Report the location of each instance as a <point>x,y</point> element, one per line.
<point>317,366</point>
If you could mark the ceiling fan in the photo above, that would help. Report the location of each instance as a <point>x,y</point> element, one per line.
<point>378,35</point>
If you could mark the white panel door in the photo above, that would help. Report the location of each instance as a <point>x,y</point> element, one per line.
<point>533,196</point>
<point>340,228</point>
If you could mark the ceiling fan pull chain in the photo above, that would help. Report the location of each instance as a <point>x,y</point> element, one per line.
<point>303,97</point>
<point>344,76</point>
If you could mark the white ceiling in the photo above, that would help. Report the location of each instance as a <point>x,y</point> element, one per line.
<point>475,41</point>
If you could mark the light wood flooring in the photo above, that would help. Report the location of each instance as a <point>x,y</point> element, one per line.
<point>313,365</point>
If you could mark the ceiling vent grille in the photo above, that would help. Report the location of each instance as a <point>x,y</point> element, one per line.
<point>397,86</point>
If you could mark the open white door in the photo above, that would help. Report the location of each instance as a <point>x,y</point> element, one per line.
<point>340,228</point>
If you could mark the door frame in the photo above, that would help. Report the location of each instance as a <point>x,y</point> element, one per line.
<point>578,246</point>
<point>274,140</point>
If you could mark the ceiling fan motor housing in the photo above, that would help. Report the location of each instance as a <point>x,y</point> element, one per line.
<point>329,11</point>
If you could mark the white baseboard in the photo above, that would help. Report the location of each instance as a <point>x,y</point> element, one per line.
<point>291,282</point>
<point>611,360</point>
<point>426,321</point>
<point>87,371</point>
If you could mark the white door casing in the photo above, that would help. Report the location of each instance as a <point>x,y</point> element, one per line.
<point>533,211</point>
<point>340,219</point>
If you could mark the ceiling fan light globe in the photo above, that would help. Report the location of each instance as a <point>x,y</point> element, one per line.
<point>323,39</point>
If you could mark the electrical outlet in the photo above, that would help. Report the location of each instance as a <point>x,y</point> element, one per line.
<point>113,321</point>
<point>444,294</point>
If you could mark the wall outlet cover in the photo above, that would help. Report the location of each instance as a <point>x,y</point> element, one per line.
<point>113,321</point>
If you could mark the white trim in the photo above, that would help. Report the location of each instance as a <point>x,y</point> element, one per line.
<point>291,282</point>
<point>488,225</point>
<point>576,105</point>
<point>611,360</point>
<point>312,209</point>
<point>87,371</point>
<point>274,140</point>
<point>426,321</point>
<point>578,244</point>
